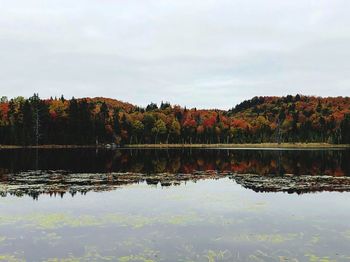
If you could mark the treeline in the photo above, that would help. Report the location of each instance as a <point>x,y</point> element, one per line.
<point>101,120</point>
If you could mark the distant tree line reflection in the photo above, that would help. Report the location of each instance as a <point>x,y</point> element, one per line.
<point>148,161</point>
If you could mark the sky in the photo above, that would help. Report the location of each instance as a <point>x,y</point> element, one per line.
<point>196,53</point>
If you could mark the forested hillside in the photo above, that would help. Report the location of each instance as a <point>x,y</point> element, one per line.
<point>102,120</point>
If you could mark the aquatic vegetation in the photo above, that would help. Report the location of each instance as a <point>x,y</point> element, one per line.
<point>212,220</point>
<point>293,184</point>
<point>214,256</point>
<point>50,220</point>
<point>135,221</point>
<point>2,239</point>
<point>34,183</point>
<point>264,256</point>
<point>10,258</point>
<point>58,220</point>
<point>315,239</point>
<point>315,258</point>
<point>91,254</point>
<point>148,255</point>
<point>260,256</point>
<point>69,259</point>
<point>346,234</point>
<point>268,238</point>
<point>182,219</point>
<point>134,258</point>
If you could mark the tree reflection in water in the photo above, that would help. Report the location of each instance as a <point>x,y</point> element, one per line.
<point>148,161</point>
<point>82,170</point>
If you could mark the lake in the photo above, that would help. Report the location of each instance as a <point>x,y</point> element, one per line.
<point>172,205</point>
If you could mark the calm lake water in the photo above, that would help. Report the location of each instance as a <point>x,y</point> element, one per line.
<point>205,220</point>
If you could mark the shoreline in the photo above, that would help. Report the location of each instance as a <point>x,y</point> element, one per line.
<point>258,145</point>
<point>162,146</point>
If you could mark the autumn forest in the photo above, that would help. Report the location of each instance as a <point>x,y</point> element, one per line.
<point>88,121</point>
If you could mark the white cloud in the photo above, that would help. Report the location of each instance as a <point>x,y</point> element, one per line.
<point>197,53</point>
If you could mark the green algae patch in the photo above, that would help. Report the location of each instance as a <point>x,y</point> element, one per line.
<point>9,220</point>
<point>70,259</point>
<point>315,239</point>
<point>10,258</point>
<point>134,258</point>
<point>146,256</point>
<point>50,220</point>
<point>91,254</point>
<point>213,256</point>
<point>315,258</point>
<point>128,221</point>
<point>183,219</point>
<point>263,256</point>
<point>141,221</point>
<point>269,238</point>
<point>59,220</point>
<point>260,256</point>
<point>346,234</point>
<point>2,239</point>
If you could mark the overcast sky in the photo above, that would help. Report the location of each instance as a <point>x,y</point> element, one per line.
<point>198,53</point>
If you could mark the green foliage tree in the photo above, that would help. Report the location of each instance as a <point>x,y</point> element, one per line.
<point>159,129</point>
<point>138,128</point>
<point>345,130</point>
<point>262,119</point>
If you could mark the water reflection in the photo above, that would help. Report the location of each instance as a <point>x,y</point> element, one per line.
<point>59,171</point>
<point>205,221</point>
<point>262,162</point>
<point>212,218</point>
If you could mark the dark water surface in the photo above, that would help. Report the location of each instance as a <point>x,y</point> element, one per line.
<point>205,220</point>
<point>299,162</point>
